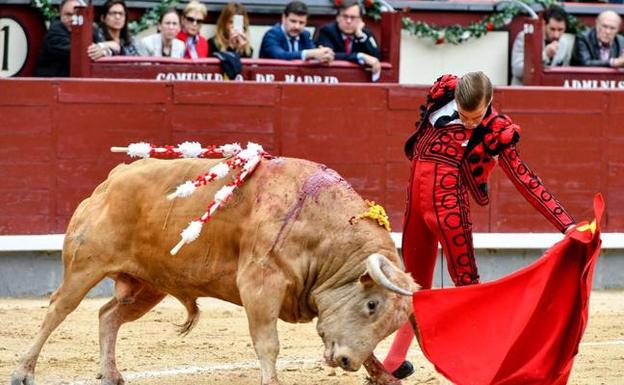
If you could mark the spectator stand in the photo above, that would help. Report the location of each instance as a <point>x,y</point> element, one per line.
<point>263,70</point>
<point>536,74</point>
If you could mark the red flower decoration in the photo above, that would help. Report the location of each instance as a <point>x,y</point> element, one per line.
<point>368,3</point>
<point>442,85</point>
<point>440,40</point>
<point>338,2</point>
<point>504,132</point>
<point>489,26</point>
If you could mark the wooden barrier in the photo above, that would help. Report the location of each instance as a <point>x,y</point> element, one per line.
<point>535,73</point>
<point>56,136</point>
<point>264,70</point>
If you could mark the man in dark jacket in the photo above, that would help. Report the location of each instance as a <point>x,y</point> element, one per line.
<point>289,40</point>
<point>600,46</point>
<point>53,60</point>
<point>350,39</point>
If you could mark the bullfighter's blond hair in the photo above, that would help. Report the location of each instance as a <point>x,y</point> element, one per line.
<point>472,89</point>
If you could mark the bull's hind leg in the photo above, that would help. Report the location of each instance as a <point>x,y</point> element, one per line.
<point>262,300</point>
<point>76,284</point>
<point>132,300</point>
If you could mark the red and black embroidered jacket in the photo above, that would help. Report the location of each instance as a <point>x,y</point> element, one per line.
<point>494,139</point>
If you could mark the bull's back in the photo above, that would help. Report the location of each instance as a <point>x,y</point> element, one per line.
<point>129,226</point>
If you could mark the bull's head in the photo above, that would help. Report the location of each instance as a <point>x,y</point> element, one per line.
<point>354,317</point>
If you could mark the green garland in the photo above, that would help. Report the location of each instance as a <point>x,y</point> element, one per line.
<point>151,17</point>
<point>454,34</point>
<point>45,6</point>
<point>457,34</point>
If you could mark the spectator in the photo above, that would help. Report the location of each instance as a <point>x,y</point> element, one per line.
<point>164,43</point>
<point>600,46</point>
<point>349,38</point>
<point>228,37</point>
<point>290,41</point>
<point>192,19</point>
<point>556,51</point>
<point>53,59</point>
<point>111,36</point>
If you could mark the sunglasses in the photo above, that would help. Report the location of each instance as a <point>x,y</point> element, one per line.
<point>193,20</point>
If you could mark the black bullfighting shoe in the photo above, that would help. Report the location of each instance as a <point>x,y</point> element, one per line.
<point>405,370</point>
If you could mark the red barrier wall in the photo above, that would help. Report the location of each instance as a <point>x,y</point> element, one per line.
<point>55,138</point>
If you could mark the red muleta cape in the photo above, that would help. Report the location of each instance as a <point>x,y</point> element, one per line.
<point>524,328</point>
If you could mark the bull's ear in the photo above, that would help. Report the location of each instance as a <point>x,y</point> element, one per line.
<point>367,280</point>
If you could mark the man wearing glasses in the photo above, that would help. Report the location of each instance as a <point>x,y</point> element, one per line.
<point>349,38</point>
<point>600,46</point>
<point>192,20</point>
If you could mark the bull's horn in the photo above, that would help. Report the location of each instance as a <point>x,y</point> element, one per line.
<point>373,264</point>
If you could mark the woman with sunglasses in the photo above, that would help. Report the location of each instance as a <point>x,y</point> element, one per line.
<point>228,36</point>
<point>192,20</point>
<point>111,36</point>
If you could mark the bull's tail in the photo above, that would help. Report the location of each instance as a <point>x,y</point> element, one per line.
<point>191,318</point>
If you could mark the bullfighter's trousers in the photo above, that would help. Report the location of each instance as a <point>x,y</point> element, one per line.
<point>437,211</point>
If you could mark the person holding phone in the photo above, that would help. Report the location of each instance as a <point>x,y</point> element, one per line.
<point>232,32</point>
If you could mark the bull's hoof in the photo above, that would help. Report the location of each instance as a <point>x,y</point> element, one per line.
<point>271,381</point>
<point>112,381</point>
<point>18,379</point>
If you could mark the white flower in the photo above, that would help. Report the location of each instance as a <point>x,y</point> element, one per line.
<point>251,163</point>
<point>223,194</point>
<point>246,154</point>
<point>255,147</point>
<point>191,232</point>
<point>220,170</point>
<point>183,190</point>
<point>466,35</point>
<point>139,150</point>
<point>190,149</point>
<point>230,149</point>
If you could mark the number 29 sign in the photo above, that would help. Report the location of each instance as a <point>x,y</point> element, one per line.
<point>13,47</point>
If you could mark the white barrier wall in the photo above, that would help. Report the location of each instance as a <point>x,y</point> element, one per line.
<point>422,61</point>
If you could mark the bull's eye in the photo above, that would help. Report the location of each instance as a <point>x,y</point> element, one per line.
<point>371,306</point>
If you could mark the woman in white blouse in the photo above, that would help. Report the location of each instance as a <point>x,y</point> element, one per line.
<point>164,43</point>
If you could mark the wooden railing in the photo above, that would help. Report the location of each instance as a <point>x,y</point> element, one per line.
<point>262,70</point>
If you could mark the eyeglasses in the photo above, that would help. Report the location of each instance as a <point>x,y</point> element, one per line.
<point>193,20</point>
<point>116,14</point>
<point>350,17</point>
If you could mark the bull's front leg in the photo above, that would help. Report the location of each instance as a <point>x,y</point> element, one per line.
<point>262,299</point>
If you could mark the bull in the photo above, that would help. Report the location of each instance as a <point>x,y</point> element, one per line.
<point>282,247</point>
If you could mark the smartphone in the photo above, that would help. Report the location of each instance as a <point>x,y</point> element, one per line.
<point>237,20</point>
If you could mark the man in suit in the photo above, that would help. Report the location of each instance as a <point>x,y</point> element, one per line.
<point>350,39</point>
<point>53,60</point>
<point>289,40</point>
<point>600,46</point>
<point>556,51</point>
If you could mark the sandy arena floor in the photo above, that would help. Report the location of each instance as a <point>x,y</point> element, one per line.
<point>219,350</point>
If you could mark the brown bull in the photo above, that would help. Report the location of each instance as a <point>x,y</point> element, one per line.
<point>282,247</point>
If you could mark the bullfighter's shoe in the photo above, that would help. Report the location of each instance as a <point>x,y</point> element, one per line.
<point>405,370</point>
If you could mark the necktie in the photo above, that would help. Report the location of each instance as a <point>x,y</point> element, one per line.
<point>293,44</point>
<point>347,43</point>
<point>446,119</point>
<point>190,42</point>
